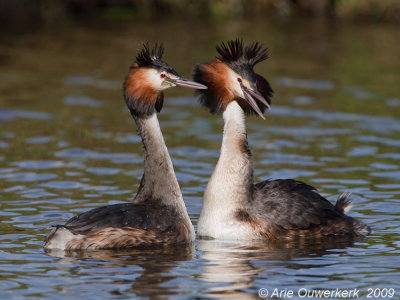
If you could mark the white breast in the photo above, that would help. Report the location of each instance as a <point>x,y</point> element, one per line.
<point>224,227</point>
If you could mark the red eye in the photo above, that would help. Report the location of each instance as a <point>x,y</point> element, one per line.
<point>239,79</point>
<point>163,75</point>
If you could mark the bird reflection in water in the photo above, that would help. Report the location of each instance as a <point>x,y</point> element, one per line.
<point>156,265</point>
<point>232,267</point>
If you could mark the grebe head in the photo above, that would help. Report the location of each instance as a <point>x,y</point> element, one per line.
<point>230,77</point>
<point>147,78</point>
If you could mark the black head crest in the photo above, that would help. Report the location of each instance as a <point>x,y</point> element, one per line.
<point>148,57</point>
<point>255,53</point>
<point>234,53</point>
<point>231,51</point>
<point>151,58</point>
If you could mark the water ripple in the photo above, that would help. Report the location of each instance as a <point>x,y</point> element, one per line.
<point>395,102</point>
<point>384,166</point>
<point>11,114</point>
<point>81,80</point>
<point>346,169</point>
<point>62,184</point>
<point>391,175</point>
<point>295,159</point>
<point>395,156</point>
<point>27,176</point>
<point>80,153</point>
<point>380,124</point>
<point>129,138</point>
<point>362,151</point>
<point>67,185</point>
<point>290,173</point>
<point>303,100</point>
<point>36,193</point>
<point>103,171</point>
<point>301,132</point>
<point>379,140</point>
<point>39,140</point>
<point>341,181</point>
<point>358,93</point>
<point>304,83</point>
<point>82,101</point>
<point>38,164</point>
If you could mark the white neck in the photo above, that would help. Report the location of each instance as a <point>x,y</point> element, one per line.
<point>159,182</point>
<point>230,184</point>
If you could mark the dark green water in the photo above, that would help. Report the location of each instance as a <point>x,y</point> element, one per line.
<point>67,144</point>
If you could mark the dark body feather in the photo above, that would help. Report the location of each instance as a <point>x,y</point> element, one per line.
<point>126,225</point>
<point>290,209</point>
<point>155,217</point>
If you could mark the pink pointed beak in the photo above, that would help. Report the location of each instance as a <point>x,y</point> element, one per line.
<point>251,97</point>
<point>186,83</point>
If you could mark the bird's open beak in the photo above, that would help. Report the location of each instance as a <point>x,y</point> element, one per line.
<point>186,83</point>
<point>251,97</point>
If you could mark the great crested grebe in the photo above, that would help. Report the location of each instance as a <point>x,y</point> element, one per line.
<point>157,214</point>
<point>233,206</point>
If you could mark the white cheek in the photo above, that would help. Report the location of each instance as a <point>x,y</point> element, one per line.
<point>155,79</point>
<point>235,85</point>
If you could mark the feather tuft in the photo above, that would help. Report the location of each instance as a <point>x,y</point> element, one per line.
<point>233,52</point>
<point>256,53</point>
<point>147,57</point>
<point>343,203</point>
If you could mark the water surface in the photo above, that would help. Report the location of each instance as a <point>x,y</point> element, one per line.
<point>68,144</point>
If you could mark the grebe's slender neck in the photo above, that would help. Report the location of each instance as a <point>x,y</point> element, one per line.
<point>230,184</point>
<point>159,182</point>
